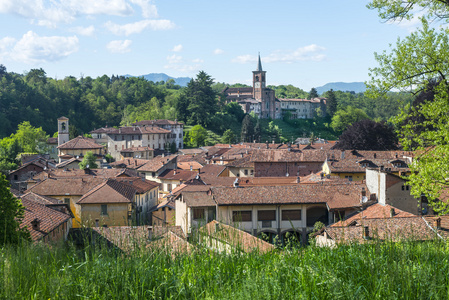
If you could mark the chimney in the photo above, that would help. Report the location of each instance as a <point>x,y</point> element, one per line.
<point>392,212</point>
<point>191,168</point>
<point>119,130</point>
<point>381,168</point>
<point>174,172</point>
<point>365,232</point>
<point>363,192</point>
<point>241,154</point>
<point>150,233</point>
<point>217,227</point>
<point>343,154</point>
<point>375,156</point>
<point>163,154</point>
<point>298,180</point>
<point>36,224</point>
<point>437,223</point>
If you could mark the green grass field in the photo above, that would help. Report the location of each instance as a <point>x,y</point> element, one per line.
<point>406,270</point>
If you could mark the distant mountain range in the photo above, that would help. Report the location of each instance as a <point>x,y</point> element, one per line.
<point>155,77</point>
<point>358,87</point>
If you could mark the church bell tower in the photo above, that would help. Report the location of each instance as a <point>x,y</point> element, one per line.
<point>258,81</point>
<point>63,130</point>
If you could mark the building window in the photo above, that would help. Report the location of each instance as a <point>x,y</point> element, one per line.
<point>242,216</point>
<point>198,213</point>
<point>246,172</point>
<point>123,137</point>
<point>104,209</point>
<point>252,172</point>
<point>266,215</point>
<point>291,215</point>
<point>67,201</point>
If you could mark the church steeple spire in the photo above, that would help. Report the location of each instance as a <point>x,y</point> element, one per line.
<point>259,65</point>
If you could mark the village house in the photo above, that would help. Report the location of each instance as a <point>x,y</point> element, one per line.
<point>268,210</point>
<point>137,152</point>
<point>19,177</point>
<point>352,164</point>
<point>78,148</point>
<point>164,213</point>
<point>52,146</point>
<point>153,168</point>
<point>176,128</point>
<point>47,219</point>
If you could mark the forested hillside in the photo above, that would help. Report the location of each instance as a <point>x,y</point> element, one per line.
<point>91,103</point>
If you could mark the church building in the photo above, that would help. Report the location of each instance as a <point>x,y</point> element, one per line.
<point>263,102</point>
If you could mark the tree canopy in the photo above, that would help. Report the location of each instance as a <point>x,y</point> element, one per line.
<point>346,117</point>
<point>368,135</point>
<point>413,65</point>
<point>89,161</point>
<point>11,215</point>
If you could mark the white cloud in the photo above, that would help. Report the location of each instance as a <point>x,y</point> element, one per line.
<point>139,26</point>
<point>32,48</point>
<point>198,60</point>
<point>50,13</point>
<point>174,59</point>
<point>175,62</point>
<point>148,10</point>
<point>307,53</point>
<point>177,48</point>
<point>119,46</point>
<point>410,25</point>
<point>86,31</point>
<point>218,51</point>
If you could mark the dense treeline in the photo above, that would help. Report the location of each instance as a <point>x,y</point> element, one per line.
<point>113,101</point>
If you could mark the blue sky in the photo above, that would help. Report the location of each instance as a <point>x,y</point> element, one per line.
<point>304,43</point>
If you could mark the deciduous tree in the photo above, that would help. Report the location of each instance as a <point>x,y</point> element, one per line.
<point>11,215</point>
<point>89,161</point>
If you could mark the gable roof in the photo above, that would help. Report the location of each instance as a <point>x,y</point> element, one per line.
<point>235,237</point>
<point>65,186</point>
<point>197,199</point>
<point>141,185</point>
<point>157,122</point>
<point>288,194</point>
<point>189,164</point>
<point>181,175</point>
<point>80,142</point>
<point>110,191</point>
<point>156,163</point>
<point>48,218</point>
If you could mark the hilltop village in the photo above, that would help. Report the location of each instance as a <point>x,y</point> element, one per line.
<point>265,193</point>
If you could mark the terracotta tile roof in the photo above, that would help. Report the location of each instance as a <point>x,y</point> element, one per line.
<point>136,149</point>
<point>52,140</point>
<point>159,231</point>
<point>103,130</point>
<point>138,130</point>
<point>443,231</point>
<point>156,163</point>
<point>39,165</point>
<point>288,156</point>
<point>186,165</point>
<point>68,162</point>
<point>197,199</point>
<point>141,185</point>
<point>65,186</point>
<point>375,211</point>
<point>130,163</point>
<point>157,122</point>
<point>201,159</point>
<point>48,218</point>
<point>234,237</point>
<point>273,181</point>
<point>80,142</point>
<point>288,194</point>
<point>191,151</point>
<point>212,170</point>
<point>44,200</point>
<point>244,162</point>
<point>172,243</point>
<point>110,191</point>
<point>166,203</point>
<point>217,181</point>
<point>126,238</point>
<point>359,165</point>
<point>181,175</point>
<point>394,229</point>
<point>104,173</point>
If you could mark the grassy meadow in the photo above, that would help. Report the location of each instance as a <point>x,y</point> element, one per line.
<point>406,270</point>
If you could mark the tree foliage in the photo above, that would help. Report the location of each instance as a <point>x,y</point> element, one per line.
<point>247,133</point>
<point>313,93</point>
<point>11,215</point>
<point>89,161</point>
<point>416,63</point>
<point>197,136</point>
<point>331,103</point>
<point>228,137</point>
<point>368,135</point>
<point>346,117</point>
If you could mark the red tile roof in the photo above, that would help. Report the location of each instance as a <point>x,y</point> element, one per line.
<point>110,191</point>
<point>65,186</point>
<point>181,175</point>
<point>156,163</point>
<point>136,149</point>
<point>157,122</point>
<point>47,218</point>
<point>141,185</point>
<point>80,142</point>
<point>198,199</point>
<point>125,238</point>
<point>234,237</point>
<point>130,163</point>
<point>186,165</point>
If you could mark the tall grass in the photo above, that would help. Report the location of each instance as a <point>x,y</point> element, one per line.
<point>406,270</point>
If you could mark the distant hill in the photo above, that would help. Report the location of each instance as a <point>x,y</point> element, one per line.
<point>358,87</point>
<point>155,77</point>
